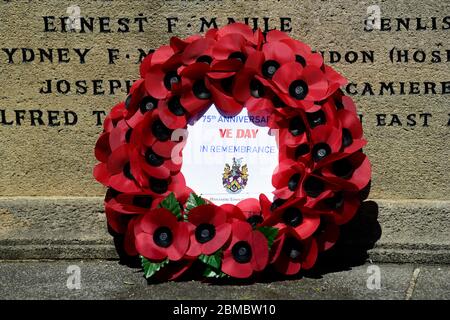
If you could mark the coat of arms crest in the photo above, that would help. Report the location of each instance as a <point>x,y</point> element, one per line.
<point>235,178</point>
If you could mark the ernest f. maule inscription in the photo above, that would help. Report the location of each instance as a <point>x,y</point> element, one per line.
<point>63,66</point>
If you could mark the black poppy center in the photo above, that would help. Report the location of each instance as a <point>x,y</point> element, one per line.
<point>298,89</point>
<point>238,56</point>
<point>160,131</point>
<point>205,59</point>
<point>128,101</point>
<point>278,103</point>
<point>255,220</point>
<point>293,181</point>
<point>128,135</point>
<point>336,201</point>
<point>256,88</point>
<point>314,186</point>
<point>242,252</point>
<point>296,126</point>
<point>205,232</point>
<point>320,151</point>
<point>347,138</point>
<point>148,104</point>
<point>127,171</point>
<point>292,217</point>
<point>276,204</point>
<point>269,68</point>
<point>200,90</point>
<point>227,84</point>
<point>292,248</point>
<point>158,185</point>
<point>170,79</point>
<point>300,59</point>
<point>316,118</point>
<point>163,237</point>
<point>142,201</point>
<point>339,105</point>
<point>301,150</point>
<point>153,159</point>
<point>342,168</point>
<point>175,106</point>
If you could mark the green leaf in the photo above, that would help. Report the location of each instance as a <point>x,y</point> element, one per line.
<point>171,203</point>
<point>194,201</point>
<point>212,273</point>
<point>270,233</point>
<point>214,260</point>
<point>150,268</point>
<point>213,263</point>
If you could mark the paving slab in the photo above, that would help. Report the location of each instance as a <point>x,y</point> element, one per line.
<point>110,280</point>
<point>433,282</point>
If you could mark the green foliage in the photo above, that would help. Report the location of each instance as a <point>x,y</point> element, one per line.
<point>150,268</point>
<point>194,201</point>
<point>213,263</point>
<point>171,203</point>
<point>270,233</point>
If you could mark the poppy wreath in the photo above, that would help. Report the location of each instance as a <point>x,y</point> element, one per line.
<point>318,182</point>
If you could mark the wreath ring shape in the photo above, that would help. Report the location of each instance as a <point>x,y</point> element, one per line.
<point>317,183</point>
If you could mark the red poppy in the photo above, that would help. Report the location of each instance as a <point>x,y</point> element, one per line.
<point>295,140</point>
<point>248,251</point>
<point>114,116</point>
<point>222,96</point>
<point>325,143</point>
<point>153,133</point>
<point>179,45</point>
<point>199,50</point>
<point>287,178</point>
<point>163,78</point>
<point>302,51</point>
<point>134,98</point>
<point>302,86</point>
<point>119,135</point>
<point>236,41</point>
<point>159,235</point>
<point>295,218</point>
<point>292,254</point>
<point>116,172</point>
<point>314,188</point>
<point>247,210</point>
<point>272,56</point>
<point>341,206</point>
<point>196,96</point>
<point>160,56</point>
<point>351,173</point>
<point>352,132</point>
<point>209,230</point>
<point>145,105</point>
<point>293,136</point>
<point>131,203</point>
<point>251,38</point>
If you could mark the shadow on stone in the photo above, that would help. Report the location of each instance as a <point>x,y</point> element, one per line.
<point>356,238</point>
<point>124,258</point>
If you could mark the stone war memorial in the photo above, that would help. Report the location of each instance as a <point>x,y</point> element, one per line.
<point>65,64</point>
